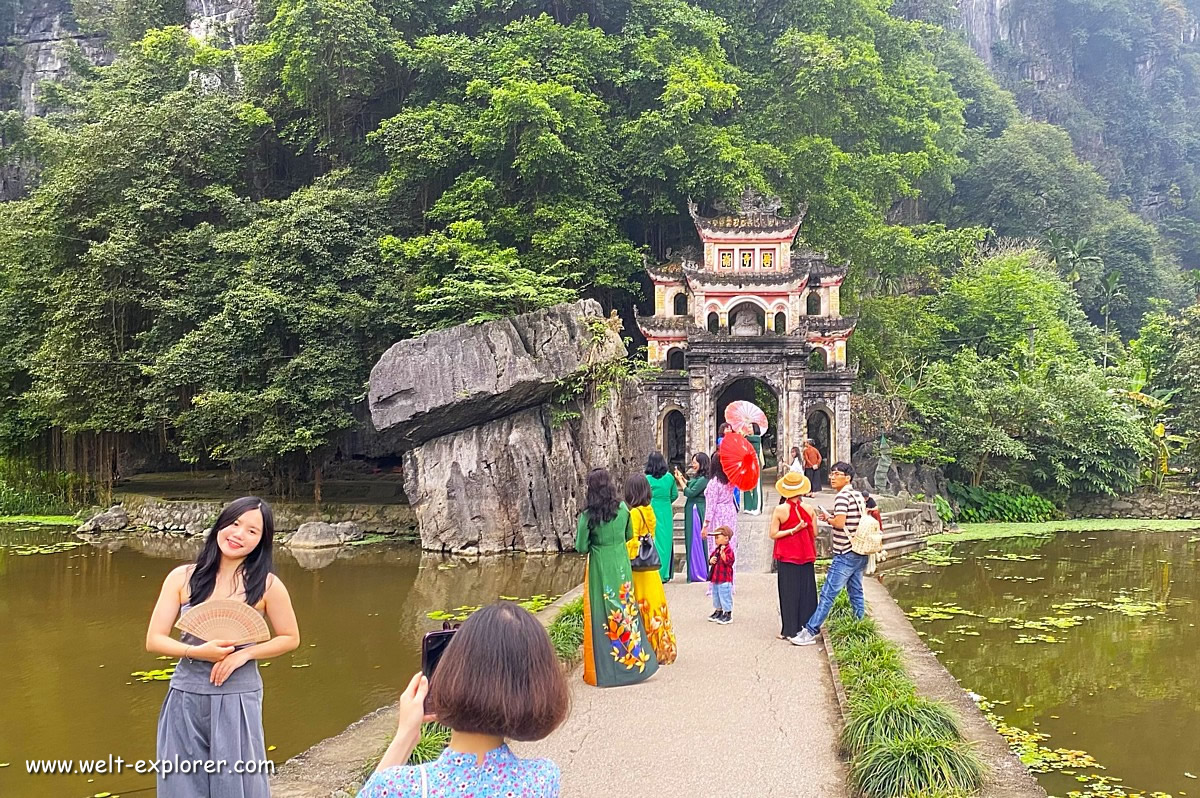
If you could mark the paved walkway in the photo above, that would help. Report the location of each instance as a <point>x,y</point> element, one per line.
<point>740,713</point>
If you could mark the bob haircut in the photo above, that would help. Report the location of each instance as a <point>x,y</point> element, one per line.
<point>637,491</point>
<point>500,676</point>
<point>254,567</point>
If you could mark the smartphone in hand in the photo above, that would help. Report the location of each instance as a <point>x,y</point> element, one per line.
<point>433,646</point>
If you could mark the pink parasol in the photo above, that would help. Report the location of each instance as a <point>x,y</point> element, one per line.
<point>741,414</point>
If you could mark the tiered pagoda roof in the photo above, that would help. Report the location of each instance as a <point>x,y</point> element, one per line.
<point>753,214</point>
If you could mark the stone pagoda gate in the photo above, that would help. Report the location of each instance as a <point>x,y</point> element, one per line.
<point>753,315</point>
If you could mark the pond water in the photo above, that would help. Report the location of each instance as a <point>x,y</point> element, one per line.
<point>1091,639</point>
<point>74,624</point>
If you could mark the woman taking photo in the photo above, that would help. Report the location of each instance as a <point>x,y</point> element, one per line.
<point>647,585</point>
<point>793,527</point>
<point>663,492</point>
<point>693,517</point>
<point>498,681</point>
<point>615,649</point>
<point>213,708</point>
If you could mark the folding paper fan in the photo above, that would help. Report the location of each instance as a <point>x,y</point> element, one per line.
<point>225,619</point>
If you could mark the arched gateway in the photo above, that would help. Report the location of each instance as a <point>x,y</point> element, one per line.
<point>751,323</point>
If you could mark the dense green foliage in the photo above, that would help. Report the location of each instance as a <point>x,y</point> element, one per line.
<point>27,492</point>
<point>221,239</point>
<point>899,744</point>
<point>977,504</point>
<point>995,377</point>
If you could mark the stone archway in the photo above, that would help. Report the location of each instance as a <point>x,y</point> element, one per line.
<point>820,430</point>
<point>760,392</point>
<point>674,439</point>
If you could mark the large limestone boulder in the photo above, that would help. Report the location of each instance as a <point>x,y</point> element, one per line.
<point>114,519</point>
<point>517,482</point>
<point>452,379</point>
<point>318,534</point>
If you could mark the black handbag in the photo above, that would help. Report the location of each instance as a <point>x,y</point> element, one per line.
<point>647,558</point>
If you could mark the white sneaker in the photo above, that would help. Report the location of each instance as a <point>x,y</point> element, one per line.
<point>804,638</point>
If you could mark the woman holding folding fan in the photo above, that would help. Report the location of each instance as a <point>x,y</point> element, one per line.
<point>213,709</point>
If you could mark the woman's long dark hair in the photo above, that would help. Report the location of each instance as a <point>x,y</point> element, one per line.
<point>701,459</point>
<point>715,469</point>
<point>602,498</point>
<point>656,465</point>
<point>637,491</point>
<point>253,568</point>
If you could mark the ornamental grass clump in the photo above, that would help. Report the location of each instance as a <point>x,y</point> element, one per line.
<point>566,631</point>
<point>877,717</point>
<point>900,745</point>
<point>916,765</point>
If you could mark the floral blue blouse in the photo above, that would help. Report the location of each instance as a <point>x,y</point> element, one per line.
<point>454,775</point>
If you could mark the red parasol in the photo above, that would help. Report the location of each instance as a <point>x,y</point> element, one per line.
<point>741,414</point>
<point>739,460</point>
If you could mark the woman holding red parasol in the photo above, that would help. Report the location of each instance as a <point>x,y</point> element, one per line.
<point>749,420</point>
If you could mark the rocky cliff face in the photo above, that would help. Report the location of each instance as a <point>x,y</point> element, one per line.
<point>985,23</point>
<point>42,32</point>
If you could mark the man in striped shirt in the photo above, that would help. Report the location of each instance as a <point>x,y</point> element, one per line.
<point>846,570</point>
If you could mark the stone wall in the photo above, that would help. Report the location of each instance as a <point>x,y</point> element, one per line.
<point>1145,503</point>
<point>195,517</point>
<point>517,482</point>
<point>903,479</point>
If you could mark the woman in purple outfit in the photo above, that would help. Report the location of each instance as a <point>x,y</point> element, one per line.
<point>719,507</point>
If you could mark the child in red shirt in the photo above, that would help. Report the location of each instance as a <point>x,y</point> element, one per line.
<point>721,575</point>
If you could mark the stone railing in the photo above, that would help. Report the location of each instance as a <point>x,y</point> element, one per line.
<point>195,517</point>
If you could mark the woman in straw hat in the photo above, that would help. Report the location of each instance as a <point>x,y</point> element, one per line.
<point>793,527</point>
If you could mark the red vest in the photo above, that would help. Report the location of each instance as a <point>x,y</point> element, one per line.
<point>800,547</point>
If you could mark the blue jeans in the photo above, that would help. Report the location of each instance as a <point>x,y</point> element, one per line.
<point>846,571</point>
<point>722,593</point>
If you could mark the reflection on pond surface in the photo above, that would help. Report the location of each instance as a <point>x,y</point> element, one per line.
<point>74,623</point>
<point>1090,639</point>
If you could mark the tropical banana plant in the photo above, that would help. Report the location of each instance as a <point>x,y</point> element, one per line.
<point>1155,409</point>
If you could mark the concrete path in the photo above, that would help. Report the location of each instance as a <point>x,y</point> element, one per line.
<point>740,713</point>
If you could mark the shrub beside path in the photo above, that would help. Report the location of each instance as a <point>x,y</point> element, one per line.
<point>740,713</point>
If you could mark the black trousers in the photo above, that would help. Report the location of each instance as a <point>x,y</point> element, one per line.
<point>797,595</point>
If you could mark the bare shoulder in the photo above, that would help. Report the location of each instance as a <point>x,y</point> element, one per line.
<point>275,587</point>
<point>179,575</point>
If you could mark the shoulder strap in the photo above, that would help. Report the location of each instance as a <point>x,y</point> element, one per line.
<point>424,783</point>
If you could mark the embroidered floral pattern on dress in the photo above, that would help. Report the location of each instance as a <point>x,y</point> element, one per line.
<point>622,629</point>
<point>659,631</point>
<point>502,775</point>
